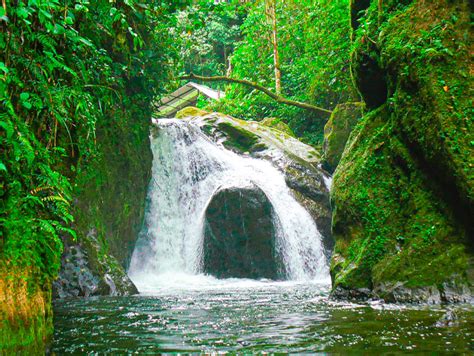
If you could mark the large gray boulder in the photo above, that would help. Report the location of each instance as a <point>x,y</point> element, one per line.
<point>240,238</point>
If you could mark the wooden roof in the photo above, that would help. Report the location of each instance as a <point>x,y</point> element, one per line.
<point>185,96</point>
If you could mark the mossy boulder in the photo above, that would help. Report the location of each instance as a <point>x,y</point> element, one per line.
<point>337,131</point>
<point>190,111</point>
<point>253,137</point>
<point>278,124</point>
<point>238,138</point>
<point>240,236</point>
<point>403,191</point>
<point>88,271</point>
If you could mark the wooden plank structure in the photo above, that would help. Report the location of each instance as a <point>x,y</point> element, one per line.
<point>185,96</point>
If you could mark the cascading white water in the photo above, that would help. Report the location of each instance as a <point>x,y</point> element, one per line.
<point>187,170</point>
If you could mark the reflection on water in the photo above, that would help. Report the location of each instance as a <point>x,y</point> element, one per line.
<point>252,316</point>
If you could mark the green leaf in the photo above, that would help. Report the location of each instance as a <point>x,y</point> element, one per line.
<point>58,29</point>
<point>3,14</point>
<point>69,20</point>
<point>86,42</point>
<point>22,12</point>
<point>4,68</point>
<point>3,167</point>
<point>7,127</point>
<point>24,96</point>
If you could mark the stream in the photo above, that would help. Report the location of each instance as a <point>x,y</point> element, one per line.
<point>182,309</point>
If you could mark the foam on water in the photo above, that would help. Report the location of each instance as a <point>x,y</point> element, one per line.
<point>187,170</point>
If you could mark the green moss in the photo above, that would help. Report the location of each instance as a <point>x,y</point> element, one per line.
<point>388,224</point>
<point>277,124</point>
<point>403,191</point>
<point>337,130</point>
<point>190,111</point>
<point>238,137</point>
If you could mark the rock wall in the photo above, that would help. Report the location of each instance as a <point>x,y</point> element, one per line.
<point>403,194</point>
<point>109,209</point>
<point>337,131</point>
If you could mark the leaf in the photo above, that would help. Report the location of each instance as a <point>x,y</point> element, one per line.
<point>24,96</point>
<point>58,29</point>
<point>22,12</point>
<point>3,167</point>
<point>7,127</point>
<point>86,42</point>
<point>4,68</point>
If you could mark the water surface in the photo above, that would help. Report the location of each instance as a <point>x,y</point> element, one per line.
<point>207,315</point>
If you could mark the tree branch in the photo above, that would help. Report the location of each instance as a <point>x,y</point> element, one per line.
<point>278,98</point>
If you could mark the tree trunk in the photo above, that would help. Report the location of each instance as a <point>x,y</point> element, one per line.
<point>272,15</point>
<point>278,98</point>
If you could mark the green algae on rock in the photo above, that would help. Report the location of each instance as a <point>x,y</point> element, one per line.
<point>190,111</point>
<point>278,124</point>
<point>403,191</point>
<point>337,131</point>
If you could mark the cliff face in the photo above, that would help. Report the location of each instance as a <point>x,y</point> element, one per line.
<point>403,193</point>
<point>109,208</point>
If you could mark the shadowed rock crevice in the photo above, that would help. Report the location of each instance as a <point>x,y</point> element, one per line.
<point>240,238</point>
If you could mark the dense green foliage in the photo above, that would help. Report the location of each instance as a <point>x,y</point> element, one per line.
<point>313,43</point>
<point>66,67</point>
<point>234,38</point>
<point>206,34</point>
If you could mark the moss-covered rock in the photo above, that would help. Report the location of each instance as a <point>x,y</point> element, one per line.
<point>109,208</point>
<point>403,191</point>
<point>254,137</point>
<point>278,124</point>
<point>190,111</point>
<point>337,131</point>
<point>87,270</point>
<point>238,138</point>
<point>26,319</point>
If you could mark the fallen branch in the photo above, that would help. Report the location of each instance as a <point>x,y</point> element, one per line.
<point>277,98</point>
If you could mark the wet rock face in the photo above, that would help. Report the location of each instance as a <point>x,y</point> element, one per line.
<point>240,235</point>
<point>86,272</point>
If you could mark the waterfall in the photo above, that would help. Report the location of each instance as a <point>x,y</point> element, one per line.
<point>187,170</point>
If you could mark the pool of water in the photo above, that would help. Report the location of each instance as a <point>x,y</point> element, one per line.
<point>254,316</point>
